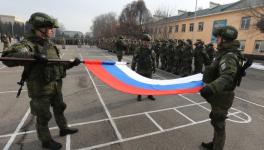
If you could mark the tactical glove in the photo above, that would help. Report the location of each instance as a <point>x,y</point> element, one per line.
<point>206,92</point>
<point>41,58</point>
<point>76,61</point>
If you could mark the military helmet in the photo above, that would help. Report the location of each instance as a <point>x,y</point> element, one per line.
<point>227,32</point>
<point>42,20</point>
<point>146,37</point>
<point>121,37</point>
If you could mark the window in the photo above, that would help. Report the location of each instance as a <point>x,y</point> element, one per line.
<point>191,27</point>
<point>245,22</point>
<point>242,45</point>
<point>183,27</point>
<point>200,26</point>
<point>259,46</point>
<point>170,29</point>
<point>176,28</point>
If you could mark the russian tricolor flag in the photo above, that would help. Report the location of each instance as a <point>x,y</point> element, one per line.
<point>119,76</point>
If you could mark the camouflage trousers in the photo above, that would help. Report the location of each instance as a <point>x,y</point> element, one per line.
<point>119,57</point>
<point>218,116</point>
<point>40,107</point>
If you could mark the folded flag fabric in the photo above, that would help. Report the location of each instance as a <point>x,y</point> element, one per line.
<point>120,77</point>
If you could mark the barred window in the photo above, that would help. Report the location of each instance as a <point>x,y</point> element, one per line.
<point>245,22</point>
<point>183,27</point>
<point>259,45</point>
<point>200,26</point>
<point>191,27</point>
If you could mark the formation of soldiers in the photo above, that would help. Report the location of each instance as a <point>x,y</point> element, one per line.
<point>176,56</point>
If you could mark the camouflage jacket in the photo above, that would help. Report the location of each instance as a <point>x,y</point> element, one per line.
<point>39,75</point>
<point>143,61</point>
<point>220,76</point>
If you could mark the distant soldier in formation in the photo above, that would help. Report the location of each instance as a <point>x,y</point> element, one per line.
<point>170,55</point>
<point>157,49</point>
<point>120,48</point>
<point>6,41</point>
<point>143,61</point>
<point>210,52</point>
<point>163,52</point>
<point>186,59</point>
<point>200,56</point>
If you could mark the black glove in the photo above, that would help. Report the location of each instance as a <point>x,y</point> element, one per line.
<point>76,61</point>
<point>41,58</point>
<point>206,92</point>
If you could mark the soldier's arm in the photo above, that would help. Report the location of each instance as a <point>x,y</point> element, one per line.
<point>153,57</point>
<point>18,50</point>
<point>228,70</point>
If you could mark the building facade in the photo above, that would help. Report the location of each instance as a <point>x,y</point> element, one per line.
<point>200,24</point>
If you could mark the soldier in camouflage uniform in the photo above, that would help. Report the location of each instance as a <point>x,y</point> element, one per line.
<point>6,41</point>
<point>200,56</point>
<point>143,61</point>
<point>210,52</point>
<point>44,79</point>
<point>186,59</point>
<point>178,58</point>
<point>163,52</point>
<point>221,80</point>
<point>157,48</point>
<point>170,55</point>
<point>120,48</point>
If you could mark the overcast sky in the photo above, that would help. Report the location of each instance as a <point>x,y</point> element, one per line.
<point>77,15</point>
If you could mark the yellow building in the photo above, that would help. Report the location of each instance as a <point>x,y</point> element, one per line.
<point>200,24</point>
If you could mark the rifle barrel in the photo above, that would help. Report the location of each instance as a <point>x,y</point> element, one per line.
<point>34,60</point>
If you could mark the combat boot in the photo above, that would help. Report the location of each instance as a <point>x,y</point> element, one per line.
<point>209,145</point>
<point>139,98</point>
<point>151,97</point>
<point>51,145</point>
<point>67,131</point>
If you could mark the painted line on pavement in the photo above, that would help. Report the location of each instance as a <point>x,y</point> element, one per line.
<point>154,122</point>
<point>242,99</point>
<point>103,104</point>
<point>13,136</point>
<point>68,142</point>
<point>5,92</point>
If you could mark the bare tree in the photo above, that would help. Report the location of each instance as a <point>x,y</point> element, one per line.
<point>257,12</point>
<point>132,18</point>
<point>104,25</point>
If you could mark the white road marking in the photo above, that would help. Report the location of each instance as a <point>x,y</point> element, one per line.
<point>13,136</point>
<point>184,115</point>
<point>154,122</point>
<point>2,67</point>
<point>68,142</point>
<point>104,106</point>
<point>249,102</point>
<point>106,119</point>
<point>4,92</point>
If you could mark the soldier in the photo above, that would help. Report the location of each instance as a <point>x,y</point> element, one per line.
<point>144,61</point>
<point>178,57</point>
<point>210,52</point>
<point>186,59</point>
<point>157,48</point>
<point>6,41</point>
<point>221,80</point>
<point>170,55</point>
<point>44,79</point>
<point>200,56</point>
<point>120,48</point>
<point>163,52</point>
<point>63,41</point>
